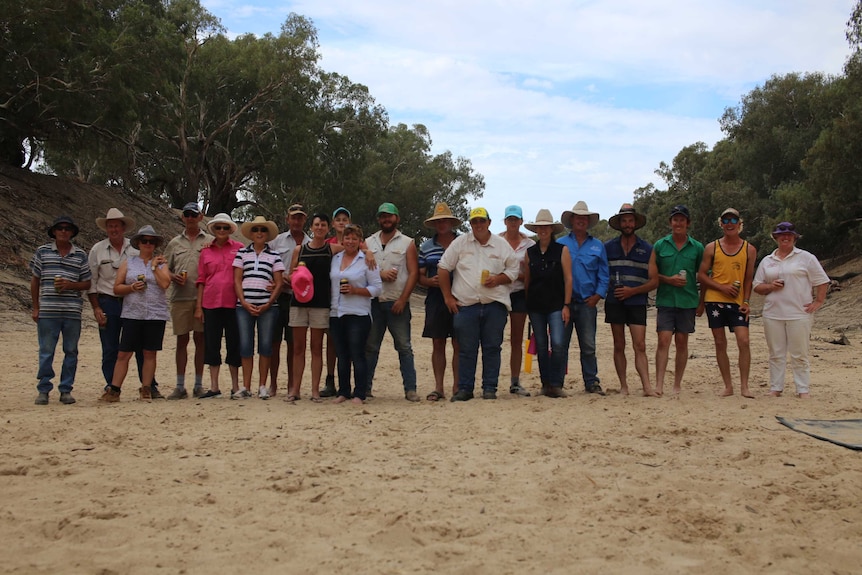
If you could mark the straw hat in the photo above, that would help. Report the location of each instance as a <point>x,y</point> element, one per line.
<point>544,218</point>
<point>579,209</point>
<point>272,229</point>
<point>442,212</point>
<point>640,219</point>
<point>114,214</point>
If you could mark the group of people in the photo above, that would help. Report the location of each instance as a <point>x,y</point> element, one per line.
<point>348,290</point>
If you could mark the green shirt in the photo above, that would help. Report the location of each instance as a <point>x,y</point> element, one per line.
<point>670,261</point>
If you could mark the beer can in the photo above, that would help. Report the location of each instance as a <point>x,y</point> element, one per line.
<point>683,273</point>
<point>57,283</point>
<point>485,275</point>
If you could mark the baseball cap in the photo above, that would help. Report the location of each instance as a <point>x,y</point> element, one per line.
<point>730,211</point>
<point>514,211</point>
<point>192,207</point>
<point>339,210</point>
<point>479,213</point>
<point>296,209</point>
<point>680,209</point>
<point>387,208</point>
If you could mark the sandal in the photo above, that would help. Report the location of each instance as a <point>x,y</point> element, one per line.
<point>291,398</point>
<point>317,400</point>
<point>435,396</point>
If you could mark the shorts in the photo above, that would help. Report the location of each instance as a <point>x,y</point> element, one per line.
<point>282,330</point>
<point>183,317</point>
<point>722,315</point>
<point>519,301</point>
<point>675,319</point>
<point>438,318</point>
<point>146,334</point>
<point>625,314</point>
<point>313,317</point>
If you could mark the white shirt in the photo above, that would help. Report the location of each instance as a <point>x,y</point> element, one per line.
<point>466,258</point>
<point>801,272</point>
<point>104,261</point>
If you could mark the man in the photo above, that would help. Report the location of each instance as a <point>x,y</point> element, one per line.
<point>633,274</point>
<point>284,244</point>
<point>726,274</point>
<point>182,255</point>
<point>104,260</point>
<point>398,261</point>
<point>677,258</point>
<point>589,286</point>
<point>483,265</point>
<point>60,273</point>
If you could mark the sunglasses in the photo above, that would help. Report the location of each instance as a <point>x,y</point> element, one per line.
<point>152,241</point>
<point>190,214</point>
<point>64,229</point>
<point>221,228</point>
<point>730,220</point>
<point>259,229</point>
<point>785,228</point>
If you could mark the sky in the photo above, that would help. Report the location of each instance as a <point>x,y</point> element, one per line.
<point>559,101</point>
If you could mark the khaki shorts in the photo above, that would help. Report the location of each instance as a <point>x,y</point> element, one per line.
<point>313,317</point>
<point>183,317</point>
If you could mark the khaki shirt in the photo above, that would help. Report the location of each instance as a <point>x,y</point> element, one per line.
<point>183,254</point>
<point>104,261</point>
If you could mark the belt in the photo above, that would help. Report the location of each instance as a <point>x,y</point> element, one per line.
<point>113,297</point>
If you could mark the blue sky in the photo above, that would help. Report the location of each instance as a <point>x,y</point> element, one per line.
<point>554,101</point>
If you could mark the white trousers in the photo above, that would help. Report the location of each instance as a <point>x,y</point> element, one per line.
<point>783,337</point>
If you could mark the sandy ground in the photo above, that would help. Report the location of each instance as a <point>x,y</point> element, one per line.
<point>689,484</point>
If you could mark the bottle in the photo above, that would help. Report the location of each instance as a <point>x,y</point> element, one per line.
<point>617,281</point>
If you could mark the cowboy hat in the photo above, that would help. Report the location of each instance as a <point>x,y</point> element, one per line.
<point>114,214</point>
<point>221,218</point>
<point>579,209</point>
<point>442,212</point>
<point>640,219</point>
<point>146,231</point>
<point>272,229</point>
<point>544,218</point>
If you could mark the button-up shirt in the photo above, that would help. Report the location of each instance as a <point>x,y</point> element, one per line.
<point>104,262</point>
<point>358,275</point>
<point>466,258</point>
<point>183,253</point>
<point>589,267</point>
<point>669,262</point>
<point>215,273</point>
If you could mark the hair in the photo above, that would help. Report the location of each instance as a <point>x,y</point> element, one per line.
<point>741,223</point>
<point>321,217</point>
<point>353,230</point>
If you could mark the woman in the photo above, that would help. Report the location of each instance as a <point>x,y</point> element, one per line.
<point>519,242</point>
<point>216,303</point>
<point>257,280</point>
<point>141,281</point>
<point>438,318</point>
<point>548,281</point>
<point>316,255</point>
<point>786,277</point>
<point>352,285</point>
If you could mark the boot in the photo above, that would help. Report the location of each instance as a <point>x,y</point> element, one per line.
<point>146,392</point>
<point>111,395</point>
<point>328,387</point>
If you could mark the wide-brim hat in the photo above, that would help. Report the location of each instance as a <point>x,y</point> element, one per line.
<point>114,214</point>
<point>221,218</point>
<point>579,209</point>
<point>272,229</point>
<point>626,209</point>
<point>63,220</point>
<point>146,231</point>
<point>544,218</point>
<point>785,228</point>
<point>441,212</point>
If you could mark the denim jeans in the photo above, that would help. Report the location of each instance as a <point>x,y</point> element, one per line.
<point>474,326</point>
<point>265,327</point>
<point>399,326</point>
<point>552,367</point>
<point>109,335</point>
<point>584,323</point>
<point>349,334</point>
<point>48,331</point>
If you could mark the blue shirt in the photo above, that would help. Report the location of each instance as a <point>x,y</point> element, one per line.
<point>589,267</point>
<point>357,275</point>
<point>632,267</point>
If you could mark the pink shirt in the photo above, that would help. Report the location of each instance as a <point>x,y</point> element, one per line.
<point>215,273</point>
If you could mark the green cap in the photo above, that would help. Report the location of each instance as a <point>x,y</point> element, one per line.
<point>387,208</point>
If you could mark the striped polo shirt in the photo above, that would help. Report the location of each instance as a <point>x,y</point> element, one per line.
<point>258,271</point>
<point>48,263</point>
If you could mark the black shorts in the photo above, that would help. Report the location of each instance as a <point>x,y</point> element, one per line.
<point>438,318</point>
<point>625,314</point>
<point>519,301</point>
<point>283,331</point>
<point>722,315</point>
<point>675,319</point>
<point>146,334</point>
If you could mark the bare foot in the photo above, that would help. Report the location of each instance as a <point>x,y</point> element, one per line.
<point>648,392</point>
<point>339,399</point>
<point>357,401</point>
<point>774,394</point>
<point>659,391</point>
<point>273,391</point>
<point>803,395</point>
<point>677,389</point>
<point>746,393</point>
<point>728,391</point>
<point>624,390</point>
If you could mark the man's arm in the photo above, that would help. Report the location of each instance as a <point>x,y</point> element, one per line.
<point>412,257</point>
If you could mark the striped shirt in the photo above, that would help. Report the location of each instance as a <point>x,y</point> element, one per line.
<point>48,263</point>
<point>258,271</point>
<point>632,268</point>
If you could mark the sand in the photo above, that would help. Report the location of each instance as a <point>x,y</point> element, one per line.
<point>587,484</point>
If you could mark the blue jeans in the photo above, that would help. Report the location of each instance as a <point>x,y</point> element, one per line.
<point>552,367</point>
<point>109,335</point>
<point>349,334</point>
<point>265,327</point>
<point>48,331</point>
<point>584,322</point>
<point>399,326</point>
<point>479,325</point>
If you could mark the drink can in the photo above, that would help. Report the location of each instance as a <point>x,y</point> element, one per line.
<point>57,283</point>
<point>184,273</point>
<point>737,284</point>
<point>485,275</point>
<point>343,284</point>
<point>683,274</point>
<point>142,278</point>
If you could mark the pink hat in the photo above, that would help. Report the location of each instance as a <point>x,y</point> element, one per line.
<point>303,284</point>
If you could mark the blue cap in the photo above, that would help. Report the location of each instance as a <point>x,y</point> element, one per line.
<point>192,207</point>
<point>514,211</point>
<point>339,210</point>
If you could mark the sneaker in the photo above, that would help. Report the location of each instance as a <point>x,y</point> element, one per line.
<point>66,398</point>
<point>489,394</point>
<point>595,388</point>
<point>411,395</point>
<point>462,395</point>
<point>209,394</point>
<point>328,387</point>
<point>179,393</point>
<point>155,393</point>
<point>198,392</point>
<point>263,393</point>
<point>518,390</point>
<point>110,396</point>
<point>241,393</point>
<point>146,392</point>
<point>42,399</point>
